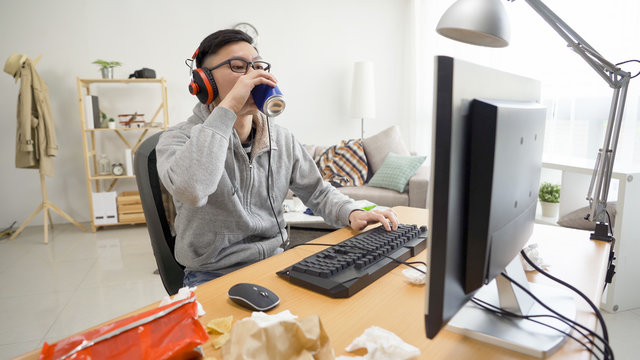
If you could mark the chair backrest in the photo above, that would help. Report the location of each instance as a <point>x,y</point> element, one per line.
<point>151,191</point>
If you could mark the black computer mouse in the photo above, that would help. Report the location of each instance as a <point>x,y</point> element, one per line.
<point>253,297</point>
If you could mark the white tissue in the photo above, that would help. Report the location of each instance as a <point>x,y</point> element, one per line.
<point>182,294</point>
<point>263,320</point>
<point>381,344</point>
<point>414,276</point>
<point>534,256</point>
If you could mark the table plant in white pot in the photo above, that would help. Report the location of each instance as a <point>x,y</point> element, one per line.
<point>549,196</point>
<point>106,67</point>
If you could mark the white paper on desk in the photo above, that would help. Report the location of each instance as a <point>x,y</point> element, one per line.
<point>414,276</point>
<point>182,294</point>
<point>381,344</point>
<point>263,320</point>
<point>532,253</point>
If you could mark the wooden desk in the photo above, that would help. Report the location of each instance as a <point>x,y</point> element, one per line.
<point>395,305</point>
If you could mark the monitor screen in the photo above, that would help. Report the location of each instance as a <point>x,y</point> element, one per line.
<point>488,134</point>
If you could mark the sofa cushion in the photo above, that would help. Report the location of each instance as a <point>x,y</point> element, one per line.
<point>378,146</point>
<point>379,196</point>
<point>395,172</point>
<point>344,164</point>
<point>314,151</point>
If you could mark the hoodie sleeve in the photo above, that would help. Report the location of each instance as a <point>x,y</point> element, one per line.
<point>320,196</point>
<point>191,159</point>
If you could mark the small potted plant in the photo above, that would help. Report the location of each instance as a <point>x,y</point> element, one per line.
<point>549,196</point>
<point>105,120</point>
<point>106,67</point>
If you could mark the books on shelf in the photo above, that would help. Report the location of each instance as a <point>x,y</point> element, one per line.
<point>92,112</point>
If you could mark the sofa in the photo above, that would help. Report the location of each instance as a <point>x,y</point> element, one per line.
<point>377,149</point>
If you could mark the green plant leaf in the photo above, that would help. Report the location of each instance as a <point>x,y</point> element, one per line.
<point>549,192</point>
<point>106,64</point>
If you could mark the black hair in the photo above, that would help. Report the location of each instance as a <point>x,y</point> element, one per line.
<point>214,42</point>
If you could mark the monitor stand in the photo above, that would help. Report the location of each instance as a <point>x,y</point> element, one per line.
<point>517,334</point>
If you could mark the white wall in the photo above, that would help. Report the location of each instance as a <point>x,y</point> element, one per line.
<point>539,52</point>
<point>312,46</point>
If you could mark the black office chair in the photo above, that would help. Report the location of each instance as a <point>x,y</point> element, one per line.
<point>151,195</point>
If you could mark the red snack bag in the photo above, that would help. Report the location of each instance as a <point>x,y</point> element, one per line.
<point>171,331</point>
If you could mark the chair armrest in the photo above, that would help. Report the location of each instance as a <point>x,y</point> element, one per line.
<point>418,188</point>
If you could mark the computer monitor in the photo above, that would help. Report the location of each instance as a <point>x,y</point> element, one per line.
<point>488,133</point>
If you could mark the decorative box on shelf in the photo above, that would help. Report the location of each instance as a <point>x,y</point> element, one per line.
<point>104,208</point>
<point>130,207</point>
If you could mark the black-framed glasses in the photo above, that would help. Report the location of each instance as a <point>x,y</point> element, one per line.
<point>241,66</point>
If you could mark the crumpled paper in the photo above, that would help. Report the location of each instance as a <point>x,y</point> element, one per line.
<point>278,336</point>
<point>414,276</point>
<point>533,255</point>
<point>381,344</point>
<point>182,294</point>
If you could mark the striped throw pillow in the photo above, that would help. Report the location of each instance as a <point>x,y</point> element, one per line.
<point>344,164</point>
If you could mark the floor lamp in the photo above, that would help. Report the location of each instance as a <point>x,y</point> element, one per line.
<point>363,93</point>
<point>485,23</point>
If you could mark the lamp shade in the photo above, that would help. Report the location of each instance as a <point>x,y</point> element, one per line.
<point>363,91</point>
<point>477,22</point>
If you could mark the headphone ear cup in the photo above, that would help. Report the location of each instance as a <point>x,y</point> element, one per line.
<point>203,86</point>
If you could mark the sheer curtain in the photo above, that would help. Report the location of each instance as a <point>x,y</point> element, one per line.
<point>577,98</point>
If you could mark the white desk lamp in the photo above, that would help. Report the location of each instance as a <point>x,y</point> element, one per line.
<point>485,23</point>
<point>363,93</point>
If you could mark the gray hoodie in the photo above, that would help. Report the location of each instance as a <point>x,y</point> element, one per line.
<point>224,220</point>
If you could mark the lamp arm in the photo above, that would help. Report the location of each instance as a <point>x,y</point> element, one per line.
<point>619,81</point>
<point>607,70</point>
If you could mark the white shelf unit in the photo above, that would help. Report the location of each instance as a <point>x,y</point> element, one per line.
<point>623,293</point>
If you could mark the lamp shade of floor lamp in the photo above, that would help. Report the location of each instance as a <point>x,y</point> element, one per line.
<point>363,93</point>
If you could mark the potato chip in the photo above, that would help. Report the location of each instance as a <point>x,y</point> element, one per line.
<point>220,325</point>
<point>220,340</point>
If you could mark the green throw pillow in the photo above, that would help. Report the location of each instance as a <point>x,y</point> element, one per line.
<point>395,172</point>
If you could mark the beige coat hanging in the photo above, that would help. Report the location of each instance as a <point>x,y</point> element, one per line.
<point>35,136</point>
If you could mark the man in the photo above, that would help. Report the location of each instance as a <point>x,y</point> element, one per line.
<point>229,170</point>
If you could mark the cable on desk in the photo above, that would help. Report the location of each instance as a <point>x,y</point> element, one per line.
<point>605,332</point>
<point>608,352</point>
<point>611,267</point>
<point>502,312</point>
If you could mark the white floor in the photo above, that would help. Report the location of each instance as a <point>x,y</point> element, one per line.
<point>81,279</point>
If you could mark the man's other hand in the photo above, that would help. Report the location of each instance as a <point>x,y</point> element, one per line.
<point>359,219</point>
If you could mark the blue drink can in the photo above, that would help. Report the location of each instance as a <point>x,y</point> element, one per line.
<point>268,99</point>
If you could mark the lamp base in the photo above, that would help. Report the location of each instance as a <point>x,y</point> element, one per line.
<point>602,232</point>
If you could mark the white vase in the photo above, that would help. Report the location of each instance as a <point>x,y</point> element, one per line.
<point>549,209</point>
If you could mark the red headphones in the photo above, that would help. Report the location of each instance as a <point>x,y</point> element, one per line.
<point>202,85</point>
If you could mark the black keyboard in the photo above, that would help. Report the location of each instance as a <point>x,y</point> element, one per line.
<point>345,268</point>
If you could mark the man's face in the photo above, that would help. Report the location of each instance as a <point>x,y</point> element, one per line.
<point>224,77</point>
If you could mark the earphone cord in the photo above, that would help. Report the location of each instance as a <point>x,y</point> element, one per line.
<point>269,175</point>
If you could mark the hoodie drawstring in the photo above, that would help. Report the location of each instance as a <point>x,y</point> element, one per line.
<point>234,181</point>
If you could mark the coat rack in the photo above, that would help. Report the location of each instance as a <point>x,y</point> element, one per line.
<point>13,64</point>
<point>45,205</point>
